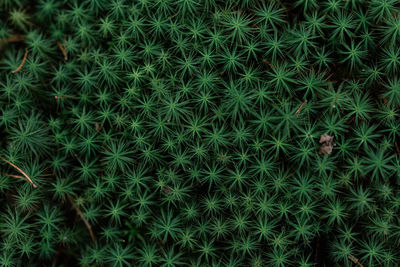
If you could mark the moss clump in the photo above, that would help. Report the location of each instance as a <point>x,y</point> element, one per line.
<point>199,133</point>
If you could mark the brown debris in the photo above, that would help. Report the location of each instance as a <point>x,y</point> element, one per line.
<point>89,227</point>
<point>167,190</point>
<point>17,176</point>
<point>22,63</point>
<point>11,39</point>
<point>269,63</point>
<point>327,144</point>
<point>397,148</point>
<point>355,260</point>
<point>325,138</point>
<point>98,127</point>
<point>63,50</point>
<point>301,107</point>
<point>21,171</point>
<point>15,38</point>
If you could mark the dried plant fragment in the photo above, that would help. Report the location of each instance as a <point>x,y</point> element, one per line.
<point>269,63</point>
<point>98,127</point>
<point>21,171</point>
<point>397,148</point>
<point>22,63</point>
<point>89,227</point>
<point>355,260</point>
<point>327,144</point>
<point>63,50</point>
<point>301,107</point>
<point>15,38</point>
<point>11,39</point>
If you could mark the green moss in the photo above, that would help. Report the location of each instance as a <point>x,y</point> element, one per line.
<point>187,133</point>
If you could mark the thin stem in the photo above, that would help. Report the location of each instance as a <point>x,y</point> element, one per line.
<point>21,171</point>
<point>15,38</point>
<point>355,260</point>
<point>301,107</point>
<point>268,63</point>
<point>63,50</point>
<point>23,62</point>
<point>16,176</point>
<point>89,227</point>
<point>397,148</point>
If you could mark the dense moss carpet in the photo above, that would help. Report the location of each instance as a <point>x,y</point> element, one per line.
<point>199,133</point>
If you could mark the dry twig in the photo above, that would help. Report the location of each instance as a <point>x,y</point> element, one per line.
<point>15,38</point>
<point>23,62</point>
<point>355,260</point>
<point>21,171</point>
<point>17,176</point>
<point>301,107</point>
<point>397,148</point>
<point>89,227</point>
<point>268,63</point>
<point>63,50</point>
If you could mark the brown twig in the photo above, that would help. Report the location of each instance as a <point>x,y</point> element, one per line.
<point>16,176</point>
<point>397,148</point>
<point>355,260</point>
<point>301,107</point>
<point>21,171</point>
<point>89,227</point>
<point>269,63</point>
<point>23,62</point>
<point>15,38</point>
<point>63,50</point>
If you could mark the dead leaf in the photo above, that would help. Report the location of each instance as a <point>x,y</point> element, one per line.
<point>327,144</point>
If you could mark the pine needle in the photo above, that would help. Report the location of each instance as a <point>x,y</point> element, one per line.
<point>355,260</point>
<point>89,227</point>
<point>16,176</point>
<point>301,107</point>
<point>22,63</point>
<point>63,50</point>
<point>21,171</point>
